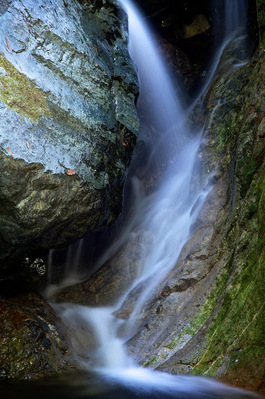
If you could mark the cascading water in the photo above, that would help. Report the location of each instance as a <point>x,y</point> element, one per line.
<point>167,214</point>
<point>235,16</point>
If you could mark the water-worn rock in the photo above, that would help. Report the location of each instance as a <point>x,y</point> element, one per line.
<point>114,277</point>
<point>33,343</point>
<point>68,123</point>
<point>209,317</point>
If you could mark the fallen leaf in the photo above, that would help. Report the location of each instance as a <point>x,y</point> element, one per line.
<point>10,152</point>
<point>122,142</point>
<point>8,44</point>
<point>70,172</point>
<point>27,144</point>
<point>95,47</point>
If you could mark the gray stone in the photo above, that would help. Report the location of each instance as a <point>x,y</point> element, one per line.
<point>68,123</point>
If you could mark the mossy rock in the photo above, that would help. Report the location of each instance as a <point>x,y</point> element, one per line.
<point>33,341</point>
<point>216,326</point>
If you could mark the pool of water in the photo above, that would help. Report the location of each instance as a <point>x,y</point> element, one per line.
<point>136,383</point>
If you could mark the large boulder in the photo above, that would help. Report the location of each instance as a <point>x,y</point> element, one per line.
<point>68,122</point>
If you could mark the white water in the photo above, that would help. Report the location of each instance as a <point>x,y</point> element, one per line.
<point>235,16</point>
<point>157,92</point>
<point>167,214</point>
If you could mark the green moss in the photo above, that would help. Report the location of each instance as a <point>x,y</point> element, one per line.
<point>252,209</point>
<point>239,307</point>
<point>247,166</point>
<point>200,319</point>
<point>226,124</point>
<point>202,368</point>
<point>249,356</point>
<point>19,93</point>
<point>13,359</point>
<point>155,360</point>
<point>237,331</point>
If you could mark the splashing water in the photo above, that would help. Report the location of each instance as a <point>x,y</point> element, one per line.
<point>167,214</point>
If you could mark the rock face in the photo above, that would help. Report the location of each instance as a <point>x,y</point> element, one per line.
<point>68,123</point>
<point>199,25</point>
<point>33,344</point>
<point>207,318</point>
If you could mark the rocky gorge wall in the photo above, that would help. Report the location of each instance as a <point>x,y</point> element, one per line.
<point>214,301</point>
<point>208,317</point>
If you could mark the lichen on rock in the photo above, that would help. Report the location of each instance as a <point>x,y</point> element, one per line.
<point>20,94</point>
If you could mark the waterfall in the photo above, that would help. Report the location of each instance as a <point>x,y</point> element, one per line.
<point>161,107</point>
<point>235,16</point>
<point>167,214</point>
<point>169,211</point>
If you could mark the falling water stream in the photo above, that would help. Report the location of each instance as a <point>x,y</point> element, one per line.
<point>235,16</point>
<point>167,215</point>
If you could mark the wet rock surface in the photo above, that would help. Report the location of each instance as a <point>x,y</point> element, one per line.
<point>33,343</point>
<point>207,317</point>
<point>68,122</point>
<point>114,277</point>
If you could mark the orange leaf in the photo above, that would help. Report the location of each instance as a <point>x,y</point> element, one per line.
<point>27,144</point>
<point>8,44</point>
<point>70,172</point>
<point>122,142</point>
<point>10,152</point>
